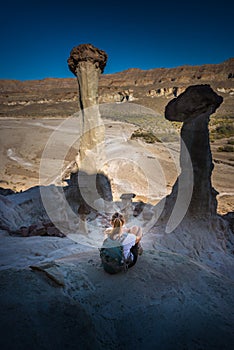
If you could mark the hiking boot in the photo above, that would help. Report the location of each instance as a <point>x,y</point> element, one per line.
<point>140,249</point>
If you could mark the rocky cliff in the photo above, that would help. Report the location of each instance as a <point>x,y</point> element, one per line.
<point>151,88</point>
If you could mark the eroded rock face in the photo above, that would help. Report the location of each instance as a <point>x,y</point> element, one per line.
<point>117,96</point>
<point>166,92</point>
<point>193,108</point>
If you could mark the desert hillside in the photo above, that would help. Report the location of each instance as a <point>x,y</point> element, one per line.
<point>151,88</point>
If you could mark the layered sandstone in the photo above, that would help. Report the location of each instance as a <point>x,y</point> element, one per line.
<point>152,88</point>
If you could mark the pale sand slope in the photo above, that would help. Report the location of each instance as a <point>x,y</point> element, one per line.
<point>149,170</point>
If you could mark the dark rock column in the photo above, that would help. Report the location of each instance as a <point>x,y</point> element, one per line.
<point>193,108</point>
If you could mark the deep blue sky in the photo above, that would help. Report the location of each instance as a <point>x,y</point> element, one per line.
<point>37,36</point>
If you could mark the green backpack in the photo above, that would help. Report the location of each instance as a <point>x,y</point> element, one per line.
<point>112,257</point>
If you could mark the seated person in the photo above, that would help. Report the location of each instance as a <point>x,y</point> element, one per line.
<point>129,239</point>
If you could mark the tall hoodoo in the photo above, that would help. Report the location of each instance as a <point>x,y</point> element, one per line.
<point>87,62</point>
<point>193,108</point>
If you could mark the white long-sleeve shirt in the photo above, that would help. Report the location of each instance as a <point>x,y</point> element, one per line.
<point>128,243</point>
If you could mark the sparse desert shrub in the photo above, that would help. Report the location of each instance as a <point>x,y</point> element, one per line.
<point>226,148</point>
<point>225,130</point>
<point>231,142</point>
<point>146,135</point>
<point>221,127</point>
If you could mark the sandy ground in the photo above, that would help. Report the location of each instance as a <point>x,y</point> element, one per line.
<point>149,170</point>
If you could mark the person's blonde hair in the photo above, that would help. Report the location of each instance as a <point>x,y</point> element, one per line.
<point>117,222</point>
